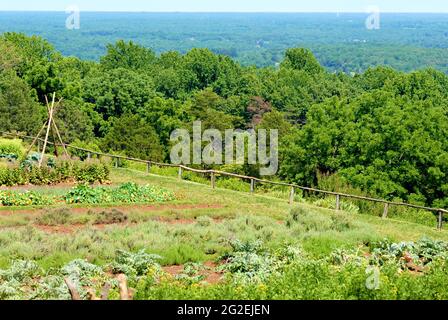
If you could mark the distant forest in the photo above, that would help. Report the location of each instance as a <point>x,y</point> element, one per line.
<point>341,42</point>
<point>382,132</point>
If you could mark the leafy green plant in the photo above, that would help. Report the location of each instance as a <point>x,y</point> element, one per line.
<point>53,171</point>
<point>125,193</point>
<point>134,264</point>
<point>247,262</point>
<point>84,193</point>
<point>91,171</point>
<point>192,273</point>
<point>83,274</point>
<point>420,253</point>
<point>20,199</point>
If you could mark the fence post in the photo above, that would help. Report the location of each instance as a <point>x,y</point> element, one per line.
<point>252,185</point>
<point>338,202</point>
<point>179,174</point>
<point>292,195</point>
<point>440,221</point>
<point>88,156</point>
<point>148,167</point>
<point>213,179</point>
<point>116,162</point>
<point>38,146</point>
<point>386,210</point>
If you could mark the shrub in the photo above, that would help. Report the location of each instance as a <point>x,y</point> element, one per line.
<point>83,145</point>
<point>248,262</point>
<point>83,193</point>
<point>134,264</point>
<point>54,217</point>
<point>108,217</point>
<point>12,149</point>
<point>330,203</point>
<point>125,193</point>
<point>21,199</point>
<point>54,171</point>
<point>204,221</point>
<point>91,171</point>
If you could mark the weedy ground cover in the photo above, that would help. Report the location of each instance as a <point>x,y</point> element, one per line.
<point>262,246</point>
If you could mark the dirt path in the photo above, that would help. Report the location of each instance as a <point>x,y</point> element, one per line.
<point>210,273</point>
<point>73,228</point>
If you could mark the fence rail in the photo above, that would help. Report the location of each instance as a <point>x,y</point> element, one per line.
<point>213,173</point>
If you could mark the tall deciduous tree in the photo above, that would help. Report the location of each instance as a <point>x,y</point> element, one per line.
<point>131,135</point>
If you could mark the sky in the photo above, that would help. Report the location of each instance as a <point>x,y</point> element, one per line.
<point>228,5</point>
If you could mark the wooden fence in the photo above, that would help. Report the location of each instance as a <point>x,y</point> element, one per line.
<point>214,173</point>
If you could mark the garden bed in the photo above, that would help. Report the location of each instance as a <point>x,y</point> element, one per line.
<point>86,194</point>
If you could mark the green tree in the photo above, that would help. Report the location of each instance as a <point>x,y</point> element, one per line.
<point>117,91</point>
<point>19,110</point>
<point>74,123</point>
<point>131,135</point>
<point>204,64</point>
<point>128,55</point>
<point>302,59</point>
<point>38,63</point>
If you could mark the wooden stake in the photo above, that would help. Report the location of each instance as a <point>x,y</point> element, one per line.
<point>73,291</point>
<point>48,131</point>
<point>292,195</point>
<point>35,140</point>
<point>252,185</point>
<point>213,180</point>
<point>338,202</point>
<point>54,142</point>
<point>386,210</point>
<point>440,221</point>
<point>179,173</point>
<point>122,284</point>
<point>56,128</point>
<point>60,139</point>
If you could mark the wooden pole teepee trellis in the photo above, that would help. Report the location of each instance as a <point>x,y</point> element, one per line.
<point>49,124</point>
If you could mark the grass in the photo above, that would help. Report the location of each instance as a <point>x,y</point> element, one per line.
<point>199,226</point>
<point>233,215</point>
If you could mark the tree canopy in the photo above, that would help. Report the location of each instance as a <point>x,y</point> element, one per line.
<point>383,131</point>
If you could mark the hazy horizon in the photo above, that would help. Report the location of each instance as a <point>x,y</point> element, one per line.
<point>231,12</point>
<point>230,6</point>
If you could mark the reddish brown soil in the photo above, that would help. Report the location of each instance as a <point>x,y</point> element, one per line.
<point>211,276</point>
<point>170,220</point>
<point>173,270</point>
<point>68,228</point>
<point>123,208</point>
<point>72,228</point>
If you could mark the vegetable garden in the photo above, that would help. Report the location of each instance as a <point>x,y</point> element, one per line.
<point>87,224</point>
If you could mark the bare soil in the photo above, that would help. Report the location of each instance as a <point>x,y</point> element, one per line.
<point>210,273</point>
